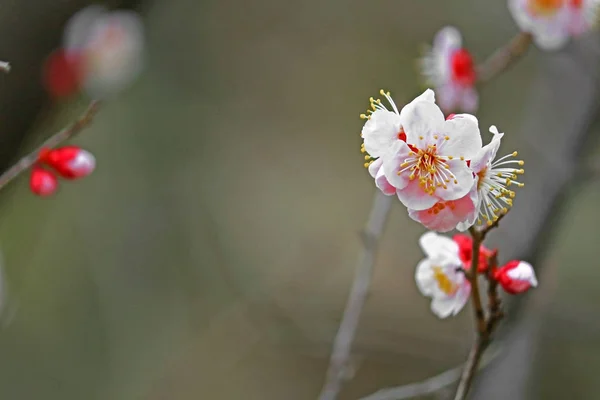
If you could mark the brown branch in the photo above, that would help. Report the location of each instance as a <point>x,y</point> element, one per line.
<point>494,302</point>
<point>504,57</point>
<point>484,327</point>
<point>342,344</point>
<point>430,385</point>
<point>53,141</point>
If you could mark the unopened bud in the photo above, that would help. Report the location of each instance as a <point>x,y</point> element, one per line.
<point>42,182</point>
<point>516,277</point>
<point>70,162</point>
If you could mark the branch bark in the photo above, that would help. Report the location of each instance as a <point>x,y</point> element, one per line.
<point>27,161</point>
<point>342,343</point>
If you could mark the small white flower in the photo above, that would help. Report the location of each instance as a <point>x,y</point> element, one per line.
<point>493,180</point>
<point>553,22</point>
<point>438,275</point>
<point>449,68</point>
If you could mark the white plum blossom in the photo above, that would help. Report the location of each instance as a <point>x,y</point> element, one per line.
<point>381,132</point>
<point>107,47</point>
<point>516,277</point>
<point>553,22</point>
<point>431,165</point>
<point>449,68</point>
<point>439,275</point>
<point>493,180</point>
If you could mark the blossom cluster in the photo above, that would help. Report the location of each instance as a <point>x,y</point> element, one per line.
<point>441,275</point>
<point>68,162</point>
<point>436,166</point>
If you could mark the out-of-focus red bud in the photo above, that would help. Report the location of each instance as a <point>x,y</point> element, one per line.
<point>42,182</point>
<point>70,162</point>
<point>61,74</point>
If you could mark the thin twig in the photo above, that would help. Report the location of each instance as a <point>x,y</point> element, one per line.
<point>504,57</point>
<point>484,327</point>
<point>494,302</point>
<point>342,343</point>
<point>430,385</point>
<point>54,140</point>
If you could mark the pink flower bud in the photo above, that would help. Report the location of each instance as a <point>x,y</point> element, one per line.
<point>42,182</point>
<point>70,162</point>
<point>465,248</point>
<point>516,277</point>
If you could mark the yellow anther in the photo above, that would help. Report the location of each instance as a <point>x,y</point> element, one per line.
<point>420,137</point>
<point>450,158</point>
<point>489,223</point>
<point>381,92</point>
<point>455,182</point>
<point>363,116</point>
<point>367,164</point>
<point>521,162</point>
<point>435,137</point>
<point>362,150</point>
<point>521,184</point>
<point>367,157</point>
<point>514,154</point>
<point>447,137</point>
<point>404,164</point>
<point>462,158</point>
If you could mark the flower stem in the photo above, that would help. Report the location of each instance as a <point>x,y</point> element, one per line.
<point>27,161</point>
<point>485,327</point>
<point>504,57</point>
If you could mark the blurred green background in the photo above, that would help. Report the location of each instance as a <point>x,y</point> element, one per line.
<point>211,253</point>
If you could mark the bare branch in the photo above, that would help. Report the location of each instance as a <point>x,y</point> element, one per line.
<point>504,57</point>
<point>59,137</point>
<point>342,343</point>
<point>428,386</point>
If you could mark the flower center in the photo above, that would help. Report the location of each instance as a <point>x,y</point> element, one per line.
<point>481,175</point>
<point>546,8</point>
<point>431,169</point>
<point>444,283</point>
<point>463,69</point>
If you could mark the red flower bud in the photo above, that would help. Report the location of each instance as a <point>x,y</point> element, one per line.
<point>70,162</point>
<point>465,251</point>
<point>61,74</point>
<point>516,277</point>
<point>42,182</point>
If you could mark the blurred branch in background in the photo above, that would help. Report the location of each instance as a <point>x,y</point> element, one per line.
<point>504,57</point>
<point>342,344</point>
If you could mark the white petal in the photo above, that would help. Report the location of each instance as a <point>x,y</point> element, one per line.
<point>375,166</point>
<point>448,97</point>
<point>392,162</point>
<point>380,132</point>
<point>443,307</point>
<point>487,154</point>
<point>448,38</point>
<point>439,247</point>
<point>421,118</point>
<point>465,138</point>
<point>464,181</point>
<point>424,277</point>
<point>520,12</point>
<point>413,196</point>
<point>461,297</point>
<point>523,272</point>
<point>551,41</point>
<point>383,184</point>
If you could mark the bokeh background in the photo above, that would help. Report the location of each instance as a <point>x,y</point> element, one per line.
<point>211,253</point>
